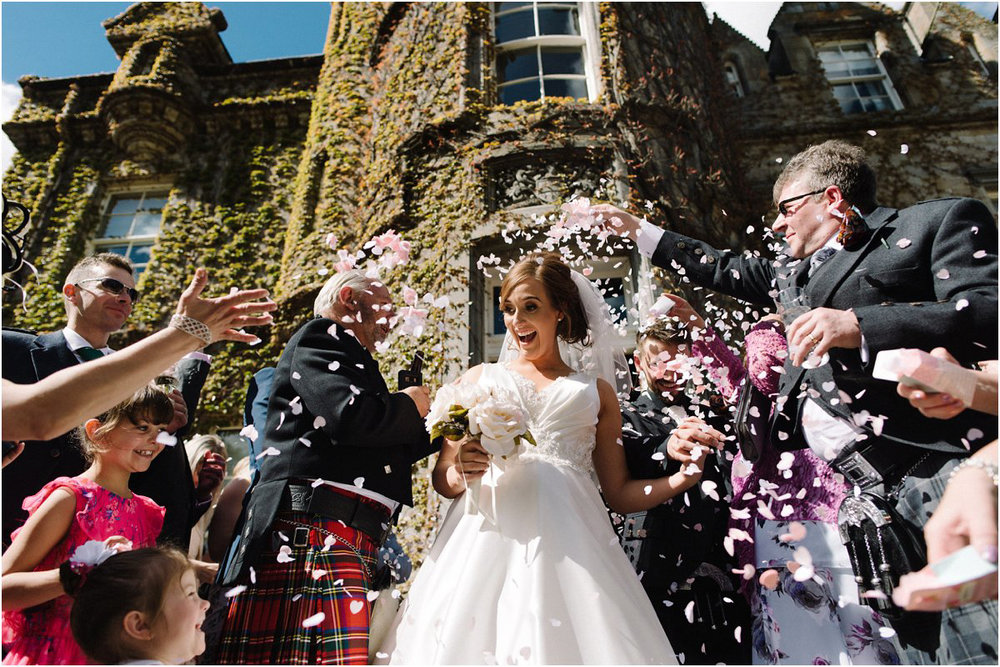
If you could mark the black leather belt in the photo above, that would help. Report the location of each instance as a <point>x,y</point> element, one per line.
<point>879,467</point>
<point>346,507</point>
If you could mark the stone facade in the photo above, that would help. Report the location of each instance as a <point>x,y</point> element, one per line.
<point>398,125</point>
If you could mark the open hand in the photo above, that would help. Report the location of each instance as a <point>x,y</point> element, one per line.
<point>225,314</point>
<point>617,221</point>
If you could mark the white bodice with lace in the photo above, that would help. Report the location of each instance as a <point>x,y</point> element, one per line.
<point>562,417</point>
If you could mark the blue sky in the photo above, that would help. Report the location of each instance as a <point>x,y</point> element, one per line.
<point>55,39</point>
<point>58,39</point>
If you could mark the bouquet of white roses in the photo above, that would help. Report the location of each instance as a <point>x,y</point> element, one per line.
<point>492,416</point>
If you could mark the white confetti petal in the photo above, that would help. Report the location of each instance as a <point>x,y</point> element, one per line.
<point>962,304</point>
<point>872,133</point>
<point>886,632</point>
<point>904,149</point>
<point>357,606</point>
<point>319,422</point>
<point>943,274</point>
<point>979,254</point>
<point>333,365</point>
<point>904,243</point>
<point>315,619</point>
<point>235,590</point>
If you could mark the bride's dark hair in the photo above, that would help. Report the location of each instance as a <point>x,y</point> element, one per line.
<point>549,269</point>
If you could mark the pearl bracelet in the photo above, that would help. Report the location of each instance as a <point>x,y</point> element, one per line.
<point>989,468</point>
<point>189,325</point>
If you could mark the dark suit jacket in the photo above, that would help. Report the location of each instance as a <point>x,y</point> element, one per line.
<point>27,359</point>
<point>168,480</point>
<point>682,533</point>
<point>926,277</point>
<point>328,392</point>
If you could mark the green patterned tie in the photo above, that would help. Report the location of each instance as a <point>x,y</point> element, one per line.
<point>89,353</point>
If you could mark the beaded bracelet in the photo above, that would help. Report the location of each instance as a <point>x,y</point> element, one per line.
<point>989,468</point>
<point>189,325</point>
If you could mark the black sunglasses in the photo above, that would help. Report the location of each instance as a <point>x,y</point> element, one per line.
<point>116,287</point>
<point>782,205</point>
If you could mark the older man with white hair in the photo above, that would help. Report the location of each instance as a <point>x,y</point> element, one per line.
<point>336,455</point>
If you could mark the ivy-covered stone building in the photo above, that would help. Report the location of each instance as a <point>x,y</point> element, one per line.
<point>452,123</point>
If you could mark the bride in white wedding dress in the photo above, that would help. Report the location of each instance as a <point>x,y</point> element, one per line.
<point>528,569</point>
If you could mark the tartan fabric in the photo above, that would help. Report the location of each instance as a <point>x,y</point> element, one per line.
<point>968,633</point>
<point>264,622</point>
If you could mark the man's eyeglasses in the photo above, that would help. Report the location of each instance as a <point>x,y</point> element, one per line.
<point>116,287</point>
<point>783,204</point>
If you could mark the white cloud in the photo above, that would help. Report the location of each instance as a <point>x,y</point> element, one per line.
<point>10,96</point>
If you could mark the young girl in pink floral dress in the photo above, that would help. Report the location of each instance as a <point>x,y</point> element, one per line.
<point>69,511</point>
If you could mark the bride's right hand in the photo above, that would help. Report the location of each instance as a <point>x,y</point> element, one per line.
<point>473,460</point>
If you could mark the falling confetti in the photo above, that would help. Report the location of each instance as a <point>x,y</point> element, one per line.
<point>313,620</point>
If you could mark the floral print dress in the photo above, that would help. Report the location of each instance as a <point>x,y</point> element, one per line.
<point>41,635</point>
<point>819,620</point>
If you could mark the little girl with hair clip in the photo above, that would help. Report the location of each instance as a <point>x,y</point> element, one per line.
<point>69,511</point>
<point>138,608</point>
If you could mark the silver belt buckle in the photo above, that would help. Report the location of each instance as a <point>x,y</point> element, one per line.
<point>858,471</point>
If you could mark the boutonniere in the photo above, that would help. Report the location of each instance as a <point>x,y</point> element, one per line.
<point>853,229</point>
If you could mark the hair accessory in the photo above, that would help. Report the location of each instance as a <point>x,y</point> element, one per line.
<point>189,325</point>
<point>853,229</point>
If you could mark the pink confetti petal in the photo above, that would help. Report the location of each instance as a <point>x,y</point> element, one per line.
<point>357,606</point>
<point>769,579</point>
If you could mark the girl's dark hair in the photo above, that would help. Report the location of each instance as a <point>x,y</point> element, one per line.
<point>549,269</point>
<point>130,581</point>
<point>150,403</point>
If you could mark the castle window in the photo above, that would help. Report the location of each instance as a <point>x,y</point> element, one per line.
<point>860,82</point>
<point>542,50</point>
<point>733,79</point>
<point>131,225</point>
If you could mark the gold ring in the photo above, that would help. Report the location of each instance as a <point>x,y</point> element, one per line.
<point>814,341</point>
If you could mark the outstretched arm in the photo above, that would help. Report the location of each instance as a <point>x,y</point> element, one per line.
<point>64,400</point>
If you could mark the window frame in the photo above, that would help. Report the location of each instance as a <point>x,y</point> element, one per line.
<point>101,243</point>
<point>883,75</point>
<point>586,41</point>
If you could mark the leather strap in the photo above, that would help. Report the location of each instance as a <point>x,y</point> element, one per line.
<point>339,505</point>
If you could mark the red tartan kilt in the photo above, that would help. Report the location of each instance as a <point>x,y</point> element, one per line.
<point>264,622</point>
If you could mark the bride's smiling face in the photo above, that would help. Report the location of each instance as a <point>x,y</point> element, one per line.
<point>531,318</point>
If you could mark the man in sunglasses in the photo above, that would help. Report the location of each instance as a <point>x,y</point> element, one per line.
<point>99,294</point>
<point>876,278</point>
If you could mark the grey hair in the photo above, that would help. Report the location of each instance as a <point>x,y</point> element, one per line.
<point>833,162</point>
<point>354,279</point>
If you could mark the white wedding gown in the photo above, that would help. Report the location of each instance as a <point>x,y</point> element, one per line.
<point>542,580</point>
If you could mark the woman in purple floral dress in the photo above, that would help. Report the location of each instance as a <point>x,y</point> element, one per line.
<point>784,501</point>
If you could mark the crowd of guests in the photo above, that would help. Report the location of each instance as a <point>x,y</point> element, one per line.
<point>738,475</point>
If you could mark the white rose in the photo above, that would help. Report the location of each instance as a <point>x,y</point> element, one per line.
<point>456,393</point>
<point>497,423</point>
